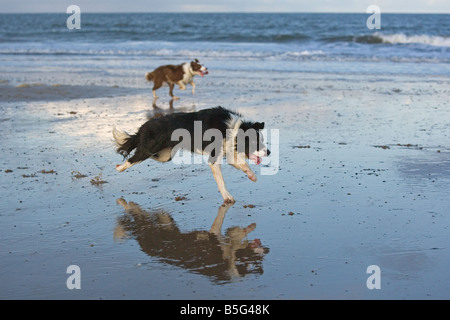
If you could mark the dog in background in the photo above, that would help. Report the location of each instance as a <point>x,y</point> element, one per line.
<point>180,75</point>
<point>240,139</point>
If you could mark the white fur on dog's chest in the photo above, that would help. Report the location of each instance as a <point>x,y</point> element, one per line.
<point>187,76</point>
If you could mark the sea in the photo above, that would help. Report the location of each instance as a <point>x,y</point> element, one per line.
<point>417,44</point>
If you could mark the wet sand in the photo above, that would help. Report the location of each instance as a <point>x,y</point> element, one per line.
<point>363,179</point>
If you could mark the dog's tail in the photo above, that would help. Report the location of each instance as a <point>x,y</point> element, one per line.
<point>124,142</point>
<point>149,76</point>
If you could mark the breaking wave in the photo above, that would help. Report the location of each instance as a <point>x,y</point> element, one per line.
<point>401,38</point>
<point>397,38</point>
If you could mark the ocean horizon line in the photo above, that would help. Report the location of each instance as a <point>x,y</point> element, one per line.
<point>232,12</point>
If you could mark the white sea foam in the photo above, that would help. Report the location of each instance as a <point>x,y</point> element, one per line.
<point>401,38</point>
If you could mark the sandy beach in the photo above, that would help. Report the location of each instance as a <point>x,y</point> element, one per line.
<point>363,180</point>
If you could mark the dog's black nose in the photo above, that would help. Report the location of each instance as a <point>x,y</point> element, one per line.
<point>268,152</point>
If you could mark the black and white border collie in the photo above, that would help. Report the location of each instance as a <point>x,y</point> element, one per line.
<point>239,140</point>
<point>181,75</point>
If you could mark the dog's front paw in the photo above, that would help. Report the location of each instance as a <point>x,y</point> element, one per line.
<point>251,175</point>
<point>229,200</point>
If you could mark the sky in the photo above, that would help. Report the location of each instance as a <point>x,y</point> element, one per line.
<point>394,6</point>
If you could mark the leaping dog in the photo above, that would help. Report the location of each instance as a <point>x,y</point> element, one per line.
<point>237,140</point>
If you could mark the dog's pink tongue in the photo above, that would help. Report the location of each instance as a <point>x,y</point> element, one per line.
<point>255,159</point>
<point>255,244</point>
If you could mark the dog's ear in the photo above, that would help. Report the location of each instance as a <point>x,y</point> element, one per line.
<point>196,61</point>
<point>258,125</point>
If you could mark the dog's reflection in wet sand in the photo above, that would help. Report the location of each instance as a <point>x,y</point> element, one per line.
<point>222,257</point>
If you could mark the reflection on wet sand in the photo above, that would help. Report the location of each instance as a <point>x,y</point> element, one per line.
<point>222,257</point>
<point>158,112</point>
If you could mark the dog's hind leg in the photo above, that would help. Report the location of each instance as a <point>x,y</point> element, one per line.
<point>156,85</point>
<point>138,157</point>
<point>217,173</point>
<point>124,166</point>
